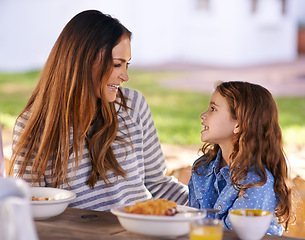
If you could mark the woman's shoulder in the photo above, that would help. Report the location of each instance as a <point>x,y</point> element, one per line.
<point>135,100</point>
<point>20,124</point>
<point>131,93</point>
<point>23,118</point>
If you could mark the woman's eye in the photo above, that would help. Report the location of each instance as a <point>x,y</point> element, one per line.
<point>127,65</point>
<point>117,65</point>
<point>212,109</point>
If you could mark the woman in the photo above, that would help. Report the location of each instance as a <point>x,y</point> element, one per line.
<point>82,131</point>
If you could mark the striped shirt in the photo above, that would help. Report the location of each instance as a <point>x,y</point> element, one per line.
<point>144,164</point>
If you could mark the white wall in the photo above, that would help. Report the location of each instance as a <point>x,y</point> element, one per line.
<point>233,36</point>
<point>300,11</point>
<point>29,28</point>
<point>226,34</point>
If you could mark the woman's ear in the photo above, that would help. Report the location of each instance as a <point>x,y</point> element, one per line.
<point>236,129</point>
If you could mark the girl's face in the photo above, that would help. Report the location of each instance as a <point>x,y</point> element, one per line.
<point>218,125</point>
<point>121,54</point>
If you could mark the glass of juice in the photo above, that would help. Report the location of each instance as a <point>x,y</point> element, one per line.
<point>206,229</point>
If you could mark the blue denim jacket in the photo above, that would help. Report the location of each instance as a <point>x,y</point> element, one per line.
<point>215,190</point>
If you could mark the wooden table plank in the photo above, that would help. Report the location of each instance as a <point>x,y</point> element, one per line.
<point>79,224</point>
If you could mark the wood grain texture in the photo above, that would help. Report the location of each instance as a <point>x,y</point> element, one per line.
<point>76,224</point>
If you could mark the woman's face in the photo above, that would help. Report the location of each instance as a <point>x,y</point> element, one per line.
<point>121,54</point>
<point>218,125</point>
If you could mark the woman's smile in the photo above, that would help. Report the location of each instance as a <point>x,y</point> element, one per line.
<point>113,87</point>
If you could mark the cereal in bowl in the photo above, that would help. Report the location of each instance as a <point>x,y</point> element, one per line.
<point>153,207</point>
<point>42,198</point>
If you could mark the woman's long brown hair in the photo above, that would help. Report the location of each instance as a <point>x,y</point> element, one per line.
<point>64,103</point>
<point>259,142</point>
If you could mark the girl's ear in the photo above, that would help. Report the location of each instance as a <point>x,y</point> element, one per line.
<point>236,129</point>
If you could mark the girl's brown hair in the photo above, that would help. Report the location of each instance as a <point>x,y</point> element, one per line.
<point>64,103</point>
<point>259,142</point>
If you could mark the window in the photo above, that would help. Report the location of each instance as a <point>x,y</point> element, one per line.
<point>202,4</point>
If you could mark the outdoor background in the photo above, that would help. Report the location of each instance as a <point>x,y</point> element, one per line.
<point>180,50</point>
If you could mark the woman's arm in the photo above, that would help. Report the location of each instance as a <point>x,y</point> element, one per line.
<point>18,128</point>
<point>156,182</point>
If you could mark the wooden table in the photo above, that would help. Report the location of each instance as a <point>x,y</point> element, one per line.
<point>82,224</point>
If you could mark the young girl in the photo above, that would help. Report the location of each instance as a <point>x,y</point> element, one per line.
<point>243,164</point>
<point>82,131</point>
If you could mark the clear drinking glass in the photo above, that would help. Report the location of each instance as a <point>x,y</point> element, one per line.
<point>206,229</point>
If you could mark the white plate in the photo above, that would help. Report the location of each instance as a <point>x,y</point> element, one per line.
<point>45,209</point>
<point>157,226</point>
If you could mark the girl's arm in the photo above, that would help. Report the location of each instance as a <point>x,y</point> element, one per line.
<point>257,198</point>
<point>192,195</point>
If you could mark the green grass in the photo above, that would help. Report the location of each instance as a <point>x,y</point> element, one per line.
<point>292,119</point>
<point>176,113</point>
<point>15,90</point>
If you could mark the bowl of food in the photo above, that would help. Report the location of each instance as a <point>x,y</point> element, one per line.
<point>157,218</point>
<point>250,224</point>
<point>48,202</point>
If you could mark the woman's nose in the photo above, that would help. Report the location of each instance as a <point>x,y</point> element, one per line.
<point>124,76</point>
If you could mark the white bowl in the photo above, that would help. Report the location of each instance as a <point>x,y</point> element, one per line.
<point>157,226</point>
<point>250,224</point>
<point>45,209</point>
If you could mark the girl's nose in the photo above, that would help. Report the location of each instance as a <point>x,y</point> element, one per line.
<point>203,116</point>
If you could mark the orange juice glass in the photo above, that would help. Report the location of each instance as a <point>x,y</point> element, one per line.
<point>206,229</point>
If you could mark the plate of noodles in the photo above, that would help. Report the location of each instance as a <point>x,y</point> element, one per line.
<point>157,218</point>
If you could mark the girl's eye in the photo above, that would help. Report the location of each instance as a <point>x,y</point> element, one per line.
<point>127,65</point>
<point>213,109</point>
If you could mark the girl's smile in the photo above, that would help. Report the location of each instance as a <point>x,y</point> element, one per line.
<point>205,128</point>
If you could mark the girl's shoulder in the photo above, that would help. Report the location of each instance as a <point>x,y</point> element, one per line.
<point>202,164</point>
<point>254,176</point>
<point>201,159</point>
<point>205,159</point>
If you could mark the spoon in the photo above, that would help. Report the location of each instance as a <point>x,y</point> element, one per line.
<point>174,211</point>
<point>207,210</point>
